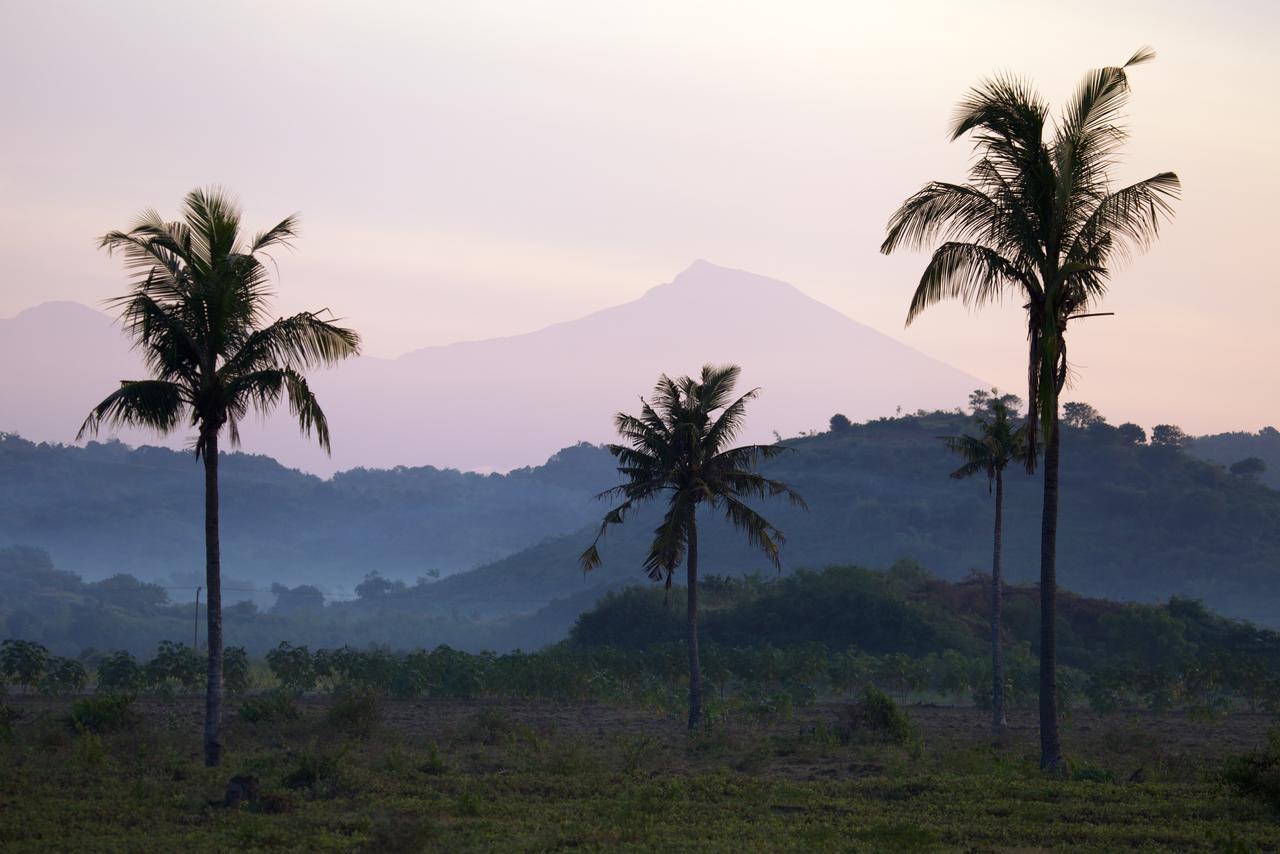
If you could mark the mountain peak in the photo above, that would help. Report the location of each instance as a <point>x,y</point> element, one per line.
<point>58,309</point>
<point>705,277</point>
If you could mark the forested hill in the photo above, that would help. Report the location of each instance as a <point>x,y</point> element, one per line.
<point>1138,522</point>
<point>106,509</point>
<point>1234,448</point>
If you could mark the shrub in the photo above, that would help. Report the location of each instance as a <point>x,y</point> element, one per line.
<point>104,713</point>
<point>22,662</point>
<point>492,726</point>
<point>178,663</point>
<point>356,710</point>
<point>235,670</point>
<point>64,676</point>
<point>316,771</point>
<point>90,751</point>
<point>1257,774</point>
<point>119,673</point>
<point>877,716</point>
<point>8,716</point>
<point>268,708</point>
<point>293,666</point>
<point>435,764</point>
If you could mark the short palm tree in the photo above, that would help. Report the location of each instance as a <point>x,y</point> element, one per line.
<point>998,443</point>
<point>198,312</point>
<point>678,447</point>
<point>1038,219</point>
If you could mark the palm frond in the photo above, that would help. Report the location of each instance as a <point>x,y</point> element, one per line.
<point>300,342</point>
<point>667,548</point>
<point>970,272</point>
<point>154,404</point>
<point>280,234</point>
<point>760,532</point>
<point>262,390</point>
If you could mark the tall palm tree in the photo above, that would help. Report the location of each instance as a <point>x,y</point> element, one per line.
<point>679,447</point>
<point>197,310</point>
<point>998,444</point>
<point>1038,219</point>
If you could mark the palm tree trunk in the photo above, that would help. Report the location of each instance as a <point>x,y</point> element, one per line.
<point>1050,747</point>
<point>695,666</point>
<point>213,584</point>
<point>998,721</point>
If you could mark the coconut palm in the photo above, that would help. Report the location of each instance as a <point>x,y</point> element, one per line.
<point>679,447</point>
<point>998,443</point>
<point>1038,219</point>
<point>197,311</point>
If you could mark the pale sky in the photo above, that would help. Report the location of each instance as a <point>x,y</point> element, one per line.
<point>475,169</point>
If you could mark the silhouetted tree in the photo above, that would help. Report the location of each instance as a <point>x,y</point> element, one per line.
<point>1168,436</point>
<point>374,586</point>
<point>198,313</point>
<point>1249,467</point>
<point>1132,433</point>
<point>1080,415</point>
<point>997,444</point>
<point>304,597</point>
<point>678,447</point>
<point>840,423</point>
<point>981,401</point>
<point>1038,219</point>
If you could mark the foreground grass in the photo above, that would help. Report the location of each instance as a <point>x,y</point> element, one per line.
<point>459,776</point>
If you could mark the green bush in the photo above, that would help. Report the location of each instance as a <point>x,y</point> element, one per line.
<point>293,666</point>
<point>63,676</point>
<point>235,670</point>
<point>876,716</point>
<point>320,772</point>
<point>492,726</point>
<point>356,710</point>
<point>22,662</point>
<point>177,663</point>
<point>1257,774</point>
<point>119,673</point>
<point>271,707</point>
<point>10,715</point>
<point>103,713</point>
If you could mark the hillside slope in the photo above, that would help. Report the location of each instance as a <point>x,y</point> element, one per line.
<point>1137,523</point>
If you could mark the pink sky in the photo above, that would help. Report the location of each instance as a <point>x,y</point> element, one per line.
<point>469,170</point>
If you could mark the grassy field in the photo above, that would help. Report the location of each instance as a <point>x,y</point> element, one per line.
<point>440,775</point>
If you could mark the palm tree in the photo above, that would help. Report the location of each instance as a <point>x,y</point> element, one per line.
<point>998,444</point>
<point>1038,219</point>
<point>679,447</point>
<point>197,310</point>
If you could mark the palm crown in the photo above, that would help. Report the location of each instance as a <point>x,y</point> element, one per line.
<point>998,443</point>
<point>679,447</point>
<point>1038,216</point>
<point>198,312</point>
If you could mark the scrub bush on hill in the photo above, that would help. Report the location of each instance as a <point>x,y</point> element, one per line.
<point>1257,774</point>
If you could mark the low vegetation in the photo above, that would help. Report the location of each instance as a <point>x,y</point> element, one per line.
<point>536,775</point>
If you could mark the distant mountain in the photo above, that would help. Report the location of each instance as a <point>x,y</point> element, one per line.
<point>506,402</point>
<point>56,361</point>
